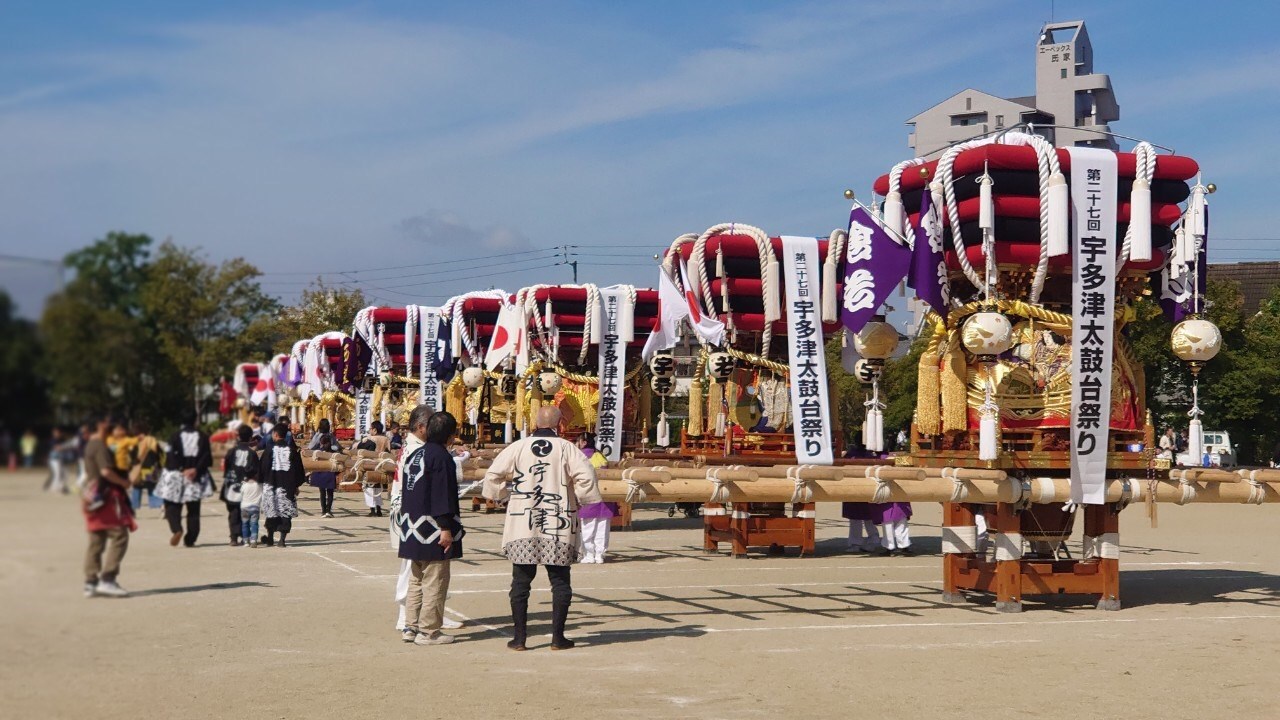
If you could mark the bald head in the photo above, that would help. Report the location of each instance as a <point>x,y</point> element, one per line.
<point>548,418</point>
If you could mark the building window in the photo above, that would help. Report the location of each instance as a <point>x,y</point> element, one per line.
<point>968,119</point>
<point>999,121</point>
<point>968,103</point>
<point>1064,73</point>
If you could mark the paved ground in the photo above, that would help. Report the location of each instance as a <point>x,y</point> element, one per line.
<point>664,631</point>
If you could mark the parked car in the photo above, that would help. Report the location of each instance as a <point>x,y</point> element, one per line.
<point>1217,445</point>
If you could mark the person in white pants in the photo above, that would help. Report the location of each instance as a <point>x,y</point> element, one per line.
<point>863,534</point>
<point>896,538</point>
<point>596,517</point>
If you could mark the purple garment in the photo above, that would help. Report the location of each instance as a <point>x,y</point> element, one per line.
<point>324,479</point>
<point>892,512</point>
<point>859,511</point>
<point>928,270</point>
<point>598,510</point>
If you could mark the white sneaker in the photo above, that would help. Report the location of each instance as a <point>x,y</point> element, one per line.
<point>90,589</point>
<point>450,624</point>
<point>408,635</point>
<point>436,638</point>
<point>110,589</point>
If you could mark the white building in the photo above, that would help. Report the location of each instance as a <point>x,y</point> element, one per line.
<point>1068,94</point>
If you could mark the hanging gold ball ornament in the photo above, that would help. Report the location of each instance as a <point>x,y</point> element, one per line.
<point>1196,342</point>
<point>848,195</point>
<point>1211,188</point>
<point>876,340</point>
<point>550,383</point>
<point>865,370</point>
<point>987,334</point>
<point>720,366</point>
<point>662,365</point>
<point>662,386</point>
<point>473,377</point>
<point>924,171</point>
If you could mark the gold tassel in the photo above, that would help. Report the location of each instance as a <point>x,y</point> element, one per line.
<point>694,427</point>
<point>954,383</point>
<point>929,391</point>
<point>455,399</point>
<point>715,398</point>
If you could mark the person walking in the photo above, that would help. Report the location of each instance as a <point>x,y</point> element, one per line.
<point>596,517</point>
<point>148,460</point>
<point>240,464</point>
<point>110,524</point>
<point>429,524</point>
<point>544,478</point>
<point>250,507</point>
<point>281,475</point>
<point>324,480</point>
<point>186,480</point>
<point>58,462</point>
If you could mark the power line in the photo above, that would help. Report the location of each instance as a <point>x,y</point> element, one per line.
<point>429,264</point>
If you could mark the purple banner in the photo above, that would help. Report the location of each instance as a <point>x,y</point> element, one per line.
<point>874,265</point>
<point>928,275</point>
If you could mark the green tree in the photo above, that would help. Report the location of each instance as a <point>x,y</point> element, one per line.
<point>898,382</point>
<point>99,350</point>
<point>23,397</point>
<point>319,309</point>
<point>206,318</point>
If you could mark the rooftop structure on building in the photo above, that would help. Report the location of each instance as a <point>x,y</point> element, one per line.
<point>1078,103</point>
<point>1257,280</point>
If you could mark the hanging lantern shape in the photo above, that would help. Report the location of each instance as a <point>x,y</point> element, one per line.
<point>720,366</point>
<point>662,365</point>
<point>876,341</point>
<point>865,371</point>
<point>662,386</point>
<point>1195,341</point>
<point>988,334</point>
<point>473,377</point>
<point>549,383</point>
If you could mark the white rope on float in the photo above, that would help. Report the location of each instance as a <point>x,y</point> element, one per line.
<point>768,273</point>
<point>452,309</point>
<point>836,243</point>
<point>1139,204</point>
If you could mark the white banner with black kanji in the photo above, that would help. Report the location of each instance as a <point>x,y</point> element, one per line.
<point>615,304</point>
<point>1093,298</point>
<point>805,353</point>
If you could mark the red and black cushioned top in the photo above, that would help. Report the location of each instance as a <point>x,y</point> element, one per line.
<point>390,315</point>
<point>250,371</point>
<point>1029,254</point>
<point>1165,214</point>
<point>743,246</point>
<point>1023,157</point>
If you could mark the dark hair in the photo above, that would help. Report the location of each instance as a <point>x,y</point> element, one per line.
<point>279,430</point>
<point>440,427</point>
<point>244,432</point>
<point>589,439</point>
<point>375,427</point>
<point>324,425</point>
<point>419,417</point>
<point>188,418</point>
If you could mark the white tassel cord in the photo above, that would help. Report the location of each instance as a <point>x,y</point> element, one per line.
<point>988,425</point>
<point>1137,239</point>
<point>1195,430</point>
<point>835,250</point>
<point>873,426</point>
<point>769,273</point>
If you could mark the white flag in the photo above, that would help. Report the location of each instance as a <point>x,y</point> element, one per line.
<point>672,308</point>
<point>707,328</point>
<point>508,337</point>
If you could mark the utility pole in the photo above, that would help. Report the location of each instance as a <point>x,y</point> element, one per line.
<point>566,256</point>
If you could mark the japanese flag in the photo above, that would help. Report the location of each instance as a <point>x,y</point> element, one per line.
<point>707,328</point>
<point>508,339</point>
<point>672,308</point>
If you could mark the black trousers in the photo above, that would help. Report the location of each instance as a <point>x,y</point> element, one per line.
<point>280,525</point>
<point>522,578</point>
<point>173,513</point>
<point>326,500</point>
<point>233,519</point>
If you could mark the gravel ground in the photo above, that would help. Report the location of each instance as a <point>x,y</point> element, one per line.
<point>663,630</point>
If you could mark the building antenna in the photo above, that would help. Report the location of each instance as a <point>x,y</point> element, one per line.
<point>1052,9</point>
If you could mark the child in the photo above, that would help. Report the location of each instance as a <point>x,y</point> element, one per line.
<point>595,517</point>
<point>250,502</point>
<point>239,464</point>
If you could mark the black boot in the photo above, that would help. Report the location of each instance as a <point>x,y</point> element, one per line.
<point>520,625</point>
<point>282,536</point>
<point>559,614</point>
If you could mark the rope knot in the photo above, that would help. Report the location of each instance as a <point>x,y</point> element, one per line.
<point>719,488</point>
<point>802,492</point>
<point>635,488</point>
<point>882,484</point>
<point>959,488</point>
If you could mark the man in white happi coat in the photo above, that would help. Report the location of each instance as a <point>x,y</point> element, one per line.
<point>544,479</point>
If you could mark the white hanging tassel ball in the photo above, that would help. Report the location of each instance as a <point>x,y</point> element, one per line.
<point>1058,216</point>
<point>1140,221</point>
<point>987,449</point>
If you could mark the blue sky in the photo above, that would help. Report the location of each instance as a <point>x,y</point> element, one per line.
<point>324,136</point>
